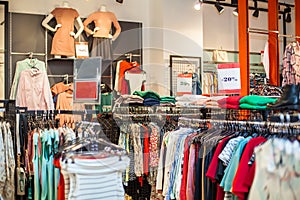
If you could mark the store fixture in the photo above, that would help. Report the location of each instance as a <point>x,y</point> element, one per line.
<point>180,65</point>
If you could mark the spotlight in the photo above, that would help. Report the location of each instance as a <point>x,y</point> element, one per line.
<point>235,12</point>
<point>234,2</point>
<point>119,1</point>
<point>219,7</point>
<point>287,14</point>
<point>256,12</point>
<point>198,4</point>
<point>288,18</point>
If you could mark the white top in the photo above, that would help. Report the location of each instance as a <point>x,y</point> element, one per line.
<point>135,81</point>
<point>95,178</point>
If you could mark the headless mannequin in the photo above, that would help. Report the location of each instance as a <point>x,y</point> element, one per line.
<point>45,24</point>
<point>103,25</point>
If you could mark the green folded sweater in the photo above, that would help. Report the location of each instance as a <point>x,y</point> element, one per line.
<point>147,94</point>
<point>170,99</point>
<point>257,100</point>
<point>252,107</point>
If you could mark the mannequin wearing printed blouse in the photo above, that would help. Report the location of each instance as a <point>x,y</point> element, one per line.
<point>101,43</point>
<point>64,37</point>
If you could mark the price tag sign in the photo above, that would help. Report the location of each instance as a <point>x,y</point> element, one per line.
<point>229,78</point>
<point>184,84</point>
<point>82,50</point>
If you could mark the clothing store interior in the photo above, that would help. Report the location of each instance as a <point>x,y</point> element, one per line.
<point>149,100</point>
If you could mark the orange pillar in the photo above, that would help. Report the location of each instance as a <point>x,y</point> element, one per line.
<point>243,25</point>
<point>273,43</point>
<point>297,18</point>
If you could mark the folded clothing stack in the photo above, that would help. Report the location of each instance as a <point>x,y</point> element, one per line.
<point>189,99</point>
<point>212,102</point>
<point>255,102</point>
<point>147,94</point>
<point>150,98</point>
<point>232,102</point>
<point>167,101</point>
<point>151,102</point>
<point>129,100</point>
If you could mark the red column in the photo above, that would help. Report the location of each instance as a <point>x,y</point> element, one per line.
<point>297,18</point>
<point>273,43</point>
<point>243,25</point>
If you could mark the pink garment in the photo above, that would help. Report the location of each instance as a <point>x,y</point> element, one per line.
<point>190,186</point>
<point>33,90</point>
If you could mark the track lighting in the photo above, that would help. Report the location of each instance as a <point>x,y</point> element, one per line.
<point>234,2</point>
<point>235,12</point>
<point>288,18</point>
<point>287,14</point>
<point>198,4</point>
<point>256,11</point>
<point>219,7</point>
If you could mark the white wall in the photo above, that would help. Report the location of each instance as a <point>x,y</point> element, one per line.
<point>169,27</point>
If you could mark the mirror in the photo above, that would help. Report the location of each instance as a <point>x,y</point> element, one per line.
<point>3,45</point>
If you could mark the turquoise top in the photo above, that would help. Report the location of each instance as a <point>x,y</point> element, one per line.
<point>50,165</point>
<point>35,162</point>
<point>44,160</point>
<point>233,165</point>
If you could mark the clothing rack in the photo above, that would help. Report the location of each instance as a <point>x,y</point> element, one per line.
<point>128,56</point>
<point>55,112</point>
<point>260,123</point>
<point>65,76</point>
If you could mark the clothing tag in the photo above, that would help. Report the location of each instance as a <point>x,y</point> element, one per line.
<point>21,179</point>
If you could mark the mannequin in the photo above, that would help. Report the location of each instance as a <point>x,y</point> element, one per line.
<point>64,37</point>
<point>101,42</point>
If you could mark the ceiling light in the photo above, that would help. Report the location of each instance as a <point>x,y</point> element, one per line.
<point>219,7</point>
<point>198,4</point>
<point>234,2</point>
<point>235,12</point>
<point>119,1</point>
<point>256,12</point>
<point>287,13</point>
<point>288,18</point>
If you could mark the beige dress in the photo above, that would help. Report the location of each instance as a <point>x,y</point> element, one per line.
<point>63,42</point>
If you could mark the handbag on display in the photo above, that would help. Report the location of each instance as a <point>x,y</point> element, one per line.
<point>220,56</point>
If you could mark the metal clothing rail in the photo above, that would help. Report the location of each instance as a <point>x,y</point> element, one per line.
<point>155,115</point>
<point>60,76</point>
<point>260,123</point>
<point>261,31</point>
<point>266,32</point>
<point>65,76</point>
<point>56,112</point>
<point>128,55</point>
<point>28,53</point>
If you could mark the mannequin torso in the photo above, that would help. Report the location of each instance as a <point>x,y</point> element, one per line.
<point>63,40</point>
<point>103,20</point>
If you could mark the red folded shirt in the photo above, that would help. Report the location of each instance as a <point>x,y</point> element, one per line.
<point>233,100</point>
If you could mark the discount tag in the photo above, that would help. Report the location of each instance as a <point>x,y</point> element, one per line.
<point>229,78</point>
<point>184,84</point>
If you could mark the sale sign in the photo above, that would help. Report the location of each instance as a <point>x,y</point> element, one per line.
<point>229,78</point>
<point>184,84</point>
